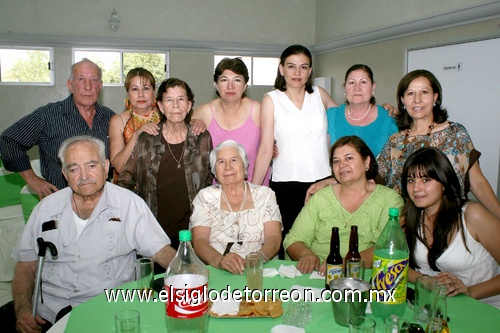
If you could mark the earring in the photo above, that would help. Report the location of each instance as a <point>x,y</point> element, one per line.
<point>404,107</point>
<point>128,105</point>
<point>153,104</point>
<point>344,94</point>
<point>434,104</point>
<point>373,93</point>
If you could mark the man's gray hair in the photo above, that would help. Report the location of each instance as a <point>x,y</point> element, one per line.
<point>81,138</point>
<point>226,144</point>
<point>99,70</point>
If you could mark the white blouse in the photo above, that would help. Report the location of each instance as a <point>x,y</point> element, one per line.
<point>245,230</point>
<point>301,138</point>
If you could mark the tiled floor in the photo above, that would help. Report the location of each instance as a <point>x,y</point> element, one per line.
<point>5,292</point>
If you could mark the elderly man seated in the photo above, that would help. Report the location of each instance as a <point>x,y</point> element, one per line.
<point>97,228</point>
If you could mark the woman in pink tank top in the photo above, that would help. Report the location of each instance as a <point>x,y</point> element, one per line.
<point>233,115</point>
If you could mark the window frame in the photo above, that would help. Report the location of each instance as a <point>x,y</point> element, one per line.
<point>51,69</point>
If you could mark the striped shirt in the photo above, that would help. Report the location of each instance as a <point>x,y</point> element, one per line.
<point>47,127</point>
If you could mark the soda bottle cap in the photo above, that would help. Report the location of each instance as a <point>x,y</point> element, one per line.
<point>185,235</point>
<point>393,211</point>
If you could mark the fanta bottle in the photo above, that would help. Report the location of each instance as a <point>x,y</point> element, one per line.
<point>390,269</point>
<point>186,285</point>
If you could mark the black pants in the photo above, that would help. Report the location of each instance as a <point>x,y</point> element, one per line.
<point>8,318</point>
<point>290,197</point>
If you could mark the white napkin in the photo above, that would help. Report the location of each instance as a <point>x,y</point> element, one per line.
<point>287,329</point>
<point>315,275</point>
<point>225,307</point>
<point>289,271</point>
<point>270,272</point>
<point>311,293</point>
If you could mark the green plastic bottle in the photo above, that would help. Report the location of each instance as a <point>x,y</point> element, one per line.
<point>390,269</point>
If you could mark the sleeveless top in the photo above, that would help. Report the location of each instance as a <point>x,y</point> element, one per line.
<point>301,137</point>
<point>247,135</point>
<point>471,267</point>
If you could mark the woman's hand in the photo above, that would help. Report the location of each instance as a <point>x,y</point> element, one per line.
<point>453,284</point>
<point>233,263</point>
<point>149,128</point>
<point>322,269</point>
<point>318,186</point>
<point>308,262</point>
<point>197,126</point>
<point>393,112</point>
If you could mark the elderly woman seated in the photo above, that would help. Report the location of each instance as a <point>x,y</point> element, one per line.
<point>354,200</point>
<point>234,217</point>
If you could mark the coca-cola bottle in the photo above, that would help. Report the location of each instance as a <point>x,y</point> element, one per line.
<point>334,259</point>
<point>186,285</point>
<point>353,253</point>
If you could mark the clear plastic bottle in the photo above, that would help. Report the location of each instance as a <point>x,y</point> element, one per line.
<point>186,284</point>
<point>390,269</point>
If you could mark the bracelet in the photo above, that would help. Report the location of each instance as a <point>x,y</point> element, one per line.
<point>265,257</point>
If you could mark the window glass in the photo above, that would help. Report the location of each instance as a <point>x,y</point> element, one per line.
<point>116,64</point>
<point>25,66</point>
<point>265,69</point>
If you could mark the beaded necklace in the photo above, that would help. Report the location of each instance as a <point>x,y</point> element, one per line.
<point>422,144</point>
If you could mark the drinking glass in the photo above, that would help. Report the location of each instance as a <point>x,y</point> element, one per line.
<point>361,324</point>
<point>128,321</point>
<point>254,270</point>
<point>298,314</point>
<point>144,274</point>
<point>395,324</point>
<point>425,293</point>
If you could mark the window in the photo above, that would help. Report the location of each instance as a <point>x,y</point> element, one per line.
<point>262,70</point>
<point>116,64</point>
<point>26,66</point>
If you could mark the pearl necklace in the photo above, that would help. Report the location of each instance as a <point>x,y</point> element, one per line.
<point>364,116</point>
<point>242,202</point>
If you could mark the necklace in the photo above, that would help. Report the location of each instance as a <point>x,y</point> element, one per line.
<point>242,202</point>
<point>359,203</point>
<point>423,143</point>
<point>424,237</point>
<point>76,206</point>
<point>352,118</point>
<point>180,157</point>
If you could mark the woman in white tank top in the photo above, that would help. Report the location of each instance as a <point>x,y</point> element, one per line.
<point>293,116</point>
<point>454,240</point>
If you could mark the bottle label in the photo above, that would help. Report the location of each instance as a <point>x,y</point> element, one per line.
<point>390,275</point>
<point>184,300</point>
<point>333,272</point>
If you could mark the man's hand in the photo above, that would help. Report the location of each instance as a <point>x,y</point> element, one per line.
<point>27,324</point>
<point>42,187</point>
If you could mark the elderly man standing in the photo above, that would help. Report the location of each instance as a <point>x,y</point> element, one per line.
<point>97,228</point>
<point>50,125</point>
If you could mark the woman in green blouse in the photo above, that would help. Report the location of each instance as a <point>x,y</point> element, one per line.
<point>354,200</point>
